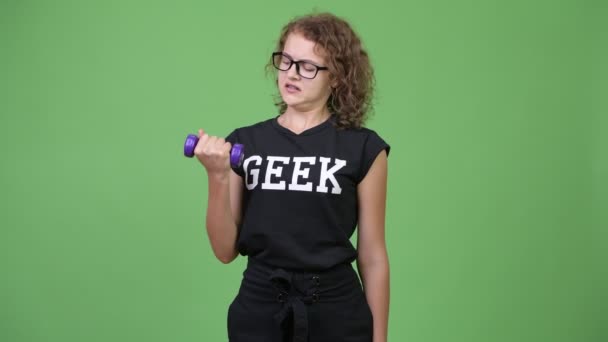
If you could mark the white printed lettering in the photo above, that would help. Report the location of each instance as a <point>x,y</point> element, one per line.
<point>271,171</point>
<point>329,175</point>
<point>297,172</point>
<point>255,172</point>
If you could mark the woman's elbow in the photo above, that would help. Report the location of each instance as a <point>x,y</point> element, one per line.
<point>376,258</point>
<point>226,258</point>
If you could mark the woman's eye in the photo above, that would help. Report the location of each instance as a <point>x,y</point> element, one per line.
<point>308,67</point>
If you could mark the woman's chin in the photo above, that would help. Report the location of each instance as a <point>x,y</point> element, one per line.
<point>291,102</point>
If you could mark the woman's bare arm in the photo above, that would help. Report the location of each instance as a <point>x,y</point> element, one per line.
<point>373,262</point>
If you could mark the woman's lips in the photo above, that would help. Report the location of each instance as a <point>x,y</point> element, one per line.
<point>291,88</point>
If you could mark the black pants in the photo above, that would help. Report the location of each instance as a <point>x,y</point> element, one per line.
<point>277,305</point>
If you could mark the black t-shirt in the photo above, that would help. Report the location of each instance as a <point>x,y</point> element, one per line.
<point>300,192</point>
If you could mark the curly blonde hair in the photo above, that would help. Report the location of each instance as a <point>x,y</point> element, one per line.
<point>349,66</point>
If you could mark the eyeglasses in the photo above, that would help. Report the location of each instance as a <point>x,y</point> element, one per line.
<point>303,68</point>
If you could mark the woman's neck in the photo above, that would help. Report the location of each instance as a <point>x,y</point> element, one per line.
<point>301,121</point>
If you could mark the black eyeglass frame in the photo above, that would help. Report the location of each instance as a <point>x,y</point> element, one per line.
<point>297,63</point>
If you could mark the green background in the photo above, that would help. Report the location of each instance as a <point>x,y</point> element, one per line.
<point>496,112</point>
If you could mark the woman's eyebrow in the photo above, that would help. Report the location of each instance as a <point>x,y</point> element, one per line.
<point>303,60</point>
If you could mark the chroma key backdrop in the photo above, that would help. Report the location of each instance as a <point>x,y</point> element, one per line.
<point>496,113</point>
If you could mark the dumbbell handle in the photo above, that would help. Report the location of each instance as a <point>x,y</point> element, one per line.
<point>236,152</point>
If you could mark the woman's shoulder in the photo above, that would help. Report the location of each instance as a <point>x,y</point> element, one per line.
<point>367,138</point>
<point>358,132</point>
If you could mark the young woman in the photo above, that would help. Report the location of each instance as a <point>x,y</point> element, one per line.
<point>311,175</point>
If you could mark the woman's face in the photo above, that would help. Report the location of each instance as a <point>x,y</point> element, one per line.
<point>300,93</point>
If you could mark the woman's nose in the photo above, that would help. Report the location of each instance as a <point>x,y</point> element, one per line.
<point>292,73</point>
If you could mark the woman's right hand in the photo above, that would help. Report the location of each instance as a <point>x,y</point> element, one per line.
<point>213,153</point>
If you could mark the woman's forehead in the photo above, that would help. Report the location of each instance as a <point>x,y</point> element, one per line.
<point>300,48</point>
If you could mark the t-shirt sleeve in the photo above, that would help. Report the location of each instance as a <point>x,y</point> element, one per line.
<point>374,144</point>
<point>233,138</point>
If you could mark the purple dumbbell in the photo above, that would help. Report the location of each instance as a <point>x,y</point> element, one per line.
<point>236,152</point>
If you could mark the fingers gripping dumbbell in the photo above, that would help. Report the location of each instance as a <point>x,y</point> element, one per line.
<point>236,152</point>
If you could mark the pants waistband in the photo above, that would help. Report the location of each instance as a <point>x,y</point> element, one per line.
<point>296,290</point>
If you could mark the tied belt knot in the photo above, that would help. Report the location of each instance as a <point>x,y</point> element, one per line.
<point>294,301</point>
